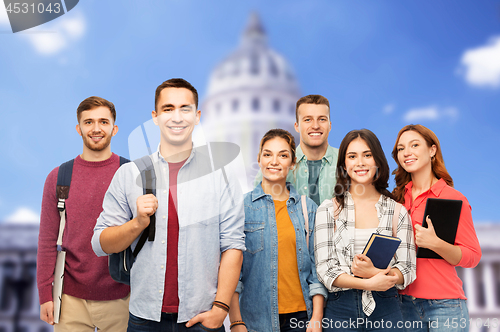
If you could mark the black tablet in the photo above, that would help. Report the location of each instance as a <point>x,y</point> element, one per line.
<point>444,214</point>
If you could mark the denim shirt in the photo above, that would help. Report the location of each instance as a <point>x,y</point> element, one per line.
<point>258,286</point>
<point>299,177</point>
<point>211,221</point>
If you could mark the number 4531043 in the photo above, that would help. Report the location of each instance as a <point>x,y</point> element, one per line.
<point>25,8</point>
<point>478,322</point>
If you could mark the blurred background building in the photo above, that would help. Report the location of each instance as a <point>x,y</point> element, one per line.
<point>19,308</point>
<point>253,90</point>
<point>250,92</point>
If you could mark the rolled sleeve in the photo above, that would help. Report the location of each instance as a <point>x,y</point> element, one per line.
<point>96,243</point>
<point>318,288</point>
<point>232,215</point>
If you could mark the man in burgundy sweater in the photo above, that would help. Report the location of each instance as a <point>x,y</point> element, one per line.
<point>90,297</point>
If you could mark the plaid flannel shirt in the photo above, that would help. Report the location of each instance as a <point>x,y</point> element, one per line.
<point>334,246</point>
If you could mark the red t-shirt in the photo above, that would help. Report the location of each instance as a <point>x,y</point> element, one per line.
<point>170,294</point>
<point>436,278</point>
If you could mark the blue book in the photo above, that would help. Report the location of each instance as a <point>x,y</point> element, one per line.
<point>380,249</point>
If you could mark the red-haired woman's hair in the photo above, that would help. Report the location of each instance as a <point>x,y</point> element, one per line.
<point>402,177</point>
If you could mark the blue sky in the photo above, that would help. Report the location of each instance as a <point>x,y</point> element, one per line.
<point>382,64</point>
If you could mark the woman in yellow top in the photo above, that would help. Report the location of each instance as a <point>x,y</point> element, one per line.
<point>278,288</point>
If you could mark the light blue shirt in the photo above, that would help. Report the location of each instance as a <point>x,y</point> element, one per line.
<point>211,221</point>
<point>258,286</point>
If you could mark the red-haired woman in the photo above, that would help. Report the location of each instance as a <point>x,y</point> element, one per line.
<point>436,298</point>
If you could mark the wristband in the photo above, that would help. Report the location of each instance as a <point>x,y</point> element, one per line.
<point>237,322</point>
<point>221,305</point>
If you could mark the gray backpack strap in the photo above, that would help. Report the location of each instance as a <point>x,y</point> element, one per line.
<point>395,219</point>
<point>306,218</point>
<point>148,176</point>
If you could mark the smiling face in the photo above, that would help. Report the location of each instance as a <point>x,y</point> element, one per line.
<point>359,163</point>
<point>313,125</point>
<point>275,160</point>
<point>176,115</point>
<point>414,155</point>
<point>96,127</point>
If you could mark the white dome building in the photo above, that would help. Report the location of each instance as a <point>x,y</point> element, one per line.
<point>253,90</point>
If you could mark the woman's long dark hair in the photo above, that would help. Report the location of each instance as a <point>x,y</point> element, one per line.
<point>381,178</point>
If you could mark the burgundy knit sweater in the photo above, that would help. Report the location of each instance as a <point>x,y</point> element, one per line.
<point>86,275</point>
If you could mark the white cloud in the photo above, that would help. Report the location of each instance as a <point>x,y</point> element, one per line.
<point>4,19</point>
<point>482,64</point>
<point>23,215</point>
<point>47,43</point>
<point>431,113</point>
<point>74,27</point>
<point>389,108</point>
<point>51,38</point>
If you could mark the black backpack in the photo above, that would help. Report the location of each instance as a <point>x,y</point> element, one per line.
<point>119,263</point>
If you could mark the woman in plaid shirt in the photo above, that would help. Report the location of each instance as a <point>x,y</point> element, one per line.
<point>362,297</point>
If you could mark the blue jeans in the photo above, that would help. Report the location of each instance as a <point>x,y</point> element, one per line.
<point>344,312</point>
<point>168,323</point>
<point>293,322</point>
<point>450,315</point>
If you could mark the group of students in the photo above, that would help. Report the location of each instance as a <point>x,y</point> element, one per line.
<point>360,297</point>
<point>302,267</point>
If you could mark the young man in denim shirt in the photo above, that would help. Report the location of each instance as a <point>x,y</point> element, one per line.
<point>191,269</point>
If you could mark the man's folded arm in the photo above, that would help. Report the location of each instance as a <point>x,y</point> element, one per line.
<point>115,230</point>
<point>117,238</point>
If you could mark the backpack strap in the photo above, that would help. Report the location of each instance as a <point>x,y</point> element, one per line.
<point>123,160</point>
<point>395,219</point>
<point>64,176</point>
<point>306,219</point>
<point>148,176</point>
<point>62,191</point>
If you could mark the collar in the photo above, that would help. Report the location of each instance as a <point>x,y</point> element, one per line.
<point>329,156</point>
<point>436,189</point>
<point>258,192</point>
<point>158,155</point>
